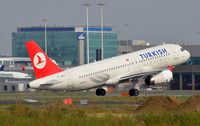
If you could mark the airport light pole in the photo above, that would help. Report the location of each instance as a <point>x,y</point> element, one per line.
<point>45,35</point>
<point>126,26</point>
<point>87,4</point>
<point>101,4</point>
<point>118,32</point>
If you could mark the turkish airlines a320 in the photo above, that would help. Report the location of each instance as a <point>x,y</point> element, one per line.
<point>148,66</point>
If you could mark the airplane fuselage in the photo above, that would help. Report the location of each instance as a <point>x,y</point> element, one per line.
<point>110,71</point>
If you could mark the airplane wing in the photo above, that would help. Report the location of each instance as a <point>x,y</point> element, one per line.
<point>139,73</point>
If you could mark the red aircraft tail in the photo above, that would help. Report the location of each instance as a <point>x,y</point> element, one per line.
<point>42,64</point>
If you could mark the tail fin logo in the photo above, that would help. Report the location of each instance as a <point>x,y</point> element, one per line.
<point>39,60</point>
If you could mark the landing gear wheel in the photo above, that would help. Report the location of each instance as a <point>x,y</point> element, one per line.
<point>133,92</point>
<point>100,92</point>
<point>136,92</point>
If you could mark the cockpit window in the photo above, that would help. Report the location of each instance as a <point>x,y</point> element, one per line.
<point>182,49</point>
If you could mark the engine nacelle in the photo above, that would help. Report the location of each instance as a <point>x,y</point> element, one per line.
<point>162,77</point>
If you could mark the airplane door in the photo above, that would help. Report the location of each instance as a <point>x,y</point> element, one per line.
<point>128,64</point>
<point>70,82</point>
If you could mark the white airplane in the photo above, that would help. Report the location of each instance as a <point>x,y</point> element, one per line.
<point>149,65</point>
<point>11,74</point>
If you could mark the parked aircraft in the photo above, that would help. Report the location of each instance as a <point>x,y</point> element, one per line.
<point>12,74</point>
<point>148,66</point>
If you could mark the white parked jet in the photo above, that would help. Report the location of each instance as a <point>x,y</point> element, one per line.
<point>12,74</point>
<point>149,65</point>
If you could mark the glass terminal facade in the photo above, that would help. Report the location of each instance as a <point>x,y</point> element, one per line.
<point>63,43</point>
<point>110,45</point>
<point>187,75</point>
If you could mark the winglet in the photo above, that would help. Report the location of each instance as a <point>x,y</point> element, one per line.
<point>42,64</point>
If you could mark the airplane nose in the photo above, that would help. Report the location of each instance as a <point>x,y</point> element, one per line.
<point>188,54</point>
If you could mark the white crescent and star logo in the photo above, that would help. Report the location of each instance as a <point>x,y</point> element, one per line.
<point>39,60</point>
<point>81,36</point>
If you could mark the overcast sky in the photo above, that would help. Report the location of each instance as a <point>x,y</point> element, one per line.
<point>151,20</point>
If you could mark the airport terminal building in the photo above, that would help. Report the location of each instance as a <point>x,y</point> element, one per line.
<point>66,45</point>
<point>185,76</point>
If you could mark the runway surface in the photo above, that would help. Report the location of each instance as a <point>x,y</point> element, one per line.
<point>115,98</point>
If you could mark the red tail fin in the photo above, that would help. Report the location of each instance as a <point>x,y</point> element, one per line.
<point>42,65</point>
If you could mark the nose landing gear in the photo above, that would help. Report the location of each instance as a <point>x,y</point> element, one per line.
<point>136,86</point>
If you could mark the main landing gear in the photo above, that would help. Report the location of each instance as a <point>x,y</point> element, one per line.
<point>133,92</point>
<point>100,92</point>
<point>136,86</point>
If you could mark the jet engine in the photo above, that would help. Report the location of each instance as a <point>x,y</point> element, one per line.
<point>162,77</point>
